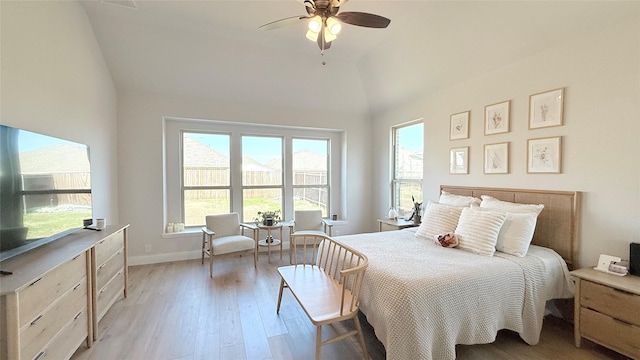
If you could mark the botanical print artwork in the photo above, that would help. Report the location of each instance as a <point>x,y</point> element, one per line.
<point>459,126</point>
<point>546,109</point>
<point>496,118</point>
<point>544,155</point>
<point>496,158</point>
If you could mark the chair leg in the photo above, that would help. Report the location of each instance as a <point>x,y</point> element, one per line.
<point>255,258</point>
<point>318,341</point>
<point>280,295</point>
<point>203,247</point>
<point>210,262</point>
<point>360,336</point>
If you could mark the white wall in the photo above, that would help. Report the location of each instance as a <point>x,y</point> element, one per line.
<point>601,76</point>
<point>54,81</point>
<point>140,143</point>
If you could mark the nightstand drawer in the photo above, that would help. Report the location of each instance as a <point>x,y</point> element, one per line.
<point>620,336</point>
<point>609,301</point>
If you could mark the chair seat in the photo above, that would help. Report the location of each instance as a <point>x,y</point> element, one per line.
<point>318,294</point>
<point>311,232</point>
<point>232,243</point>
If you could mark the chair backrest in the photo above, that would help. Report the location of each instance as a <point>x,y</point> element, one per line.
<point>308,220</point>
<point>341,262</point>
<point>224,224</point>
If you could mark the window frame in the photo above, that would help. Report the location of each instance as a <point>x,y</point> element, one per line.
<point>327,185</point>
<point>172,177</point>
<point>397,182</point>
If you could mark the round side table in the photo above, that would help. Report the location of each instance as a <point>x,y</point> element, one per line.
<point>270,241</point>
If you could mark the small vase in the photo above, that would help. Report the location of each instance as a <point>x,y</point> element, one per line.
<point>392,214</point>
<point>416,219</point>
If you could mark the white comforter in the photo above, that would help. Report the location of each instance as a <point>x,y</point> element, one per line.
<point>423,299</point>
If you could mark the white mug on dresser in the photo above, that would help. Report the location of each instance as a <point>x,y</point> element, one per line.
<point>100,224</point>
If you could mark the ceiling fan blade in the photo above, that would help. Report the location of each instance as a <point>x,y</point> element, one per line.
<point>282,22</point>
<point>363,19</point>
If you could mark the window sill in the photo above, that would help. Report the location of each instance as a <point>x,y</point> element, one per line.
<point>182,234</point>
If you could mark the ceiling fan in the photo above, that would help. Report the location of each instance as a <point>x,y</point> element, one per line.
<point>325,21</point>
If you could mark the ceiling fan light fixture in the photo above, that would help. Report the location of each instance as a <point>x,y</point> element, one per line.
<point>312,35</point>
<point>328,36</point>
<point>333,25</point>
<point>315,24</point>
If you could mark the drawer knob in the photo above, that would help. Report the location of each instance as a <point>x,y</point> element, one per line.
<point>33,283</point>
<point>40,356</point>
<point>77,315</point>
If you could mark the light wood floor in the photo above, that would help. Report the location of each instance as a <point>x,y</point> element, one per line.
<point>175,311</point>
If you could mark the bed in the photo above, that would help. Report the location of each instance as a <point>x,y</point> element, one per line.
<point>423,299</point>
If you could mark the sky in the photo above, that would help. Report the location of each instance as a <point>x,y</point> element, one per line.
<point>260,148</point>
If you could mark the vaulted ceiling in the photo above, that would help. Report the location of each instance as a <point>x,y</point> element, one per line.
<point>214,49</point>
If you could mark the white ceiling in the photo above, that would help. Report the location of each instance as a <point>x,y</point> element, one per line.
<point>214,49</point>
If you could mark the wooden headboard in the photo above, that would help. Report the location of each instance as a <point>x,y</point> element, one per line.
<point>557,226</point>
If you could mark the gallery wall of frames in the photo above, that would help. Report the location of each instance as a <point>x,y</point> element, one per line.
<point>544,154</point>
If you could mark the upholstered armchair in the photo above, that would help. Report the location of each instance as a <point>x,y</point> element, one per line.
<point>225,235</point>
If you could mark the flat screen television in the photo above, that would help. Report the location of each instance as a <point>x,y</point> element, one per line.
<point>45,189</point>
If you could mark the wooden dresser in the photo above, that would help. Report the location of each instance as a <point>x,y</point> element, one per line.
<point>607,310</point>
<point>51,304</point>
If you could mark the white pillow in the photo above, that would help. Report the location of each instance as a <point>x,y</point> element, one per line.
<point>478,230</point>
<point>438,219</point>
<point>457,200</point>
<point>493,203</point>
<point>516,233</point>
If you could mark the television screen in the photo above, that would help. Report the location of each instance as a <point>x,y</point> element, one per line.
<point>45,189</point>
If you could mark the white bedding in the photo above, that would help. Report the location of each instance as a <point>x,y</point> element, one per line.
<point>423,299</point>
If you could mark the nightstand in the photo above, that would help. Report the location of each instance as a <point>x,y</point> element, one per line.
<point>391,224</point>
<point>607,310</point>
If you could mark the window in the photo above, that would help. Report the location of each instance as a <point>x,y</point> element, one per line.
<point>310,175</point>
<point>262,183</point>
<point>214,167</point>
<point>206,178</point>
<point>408,145</point>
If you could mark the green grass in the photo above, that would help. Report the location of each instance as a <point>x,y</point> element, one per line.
<point>46,224</point>
<point>198,209</point>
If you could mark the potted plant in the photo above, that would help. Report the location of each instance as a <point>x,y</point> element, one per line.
<point>268,218</point>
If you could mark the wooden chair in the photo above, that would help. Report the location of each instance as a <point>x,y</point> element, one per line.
<point>224,235</point>
<point>308,222</point>
<point>326,282</point>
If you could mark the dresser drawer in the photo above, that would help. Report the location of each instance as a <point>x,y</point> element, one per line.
<point>70,337</point>
<point>109,293</point>
<point>109,269</point>
<point>620,336</point>
<point>609,301</point>
<point>41,293</point>
<point>109,246</point>
<point>36,334</point>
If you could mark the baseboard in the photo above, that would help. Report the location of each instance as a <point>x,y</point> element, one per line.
<point>186,255</point>
<point>165,257</point>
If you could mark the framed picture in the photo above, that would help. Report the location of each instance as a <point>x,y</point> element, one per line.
<point>545,109</point>
<point>544,155</point>
<point>496,158</point>
<point>496,118</point>
<point>459,160</point>
<point>459,126</point>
